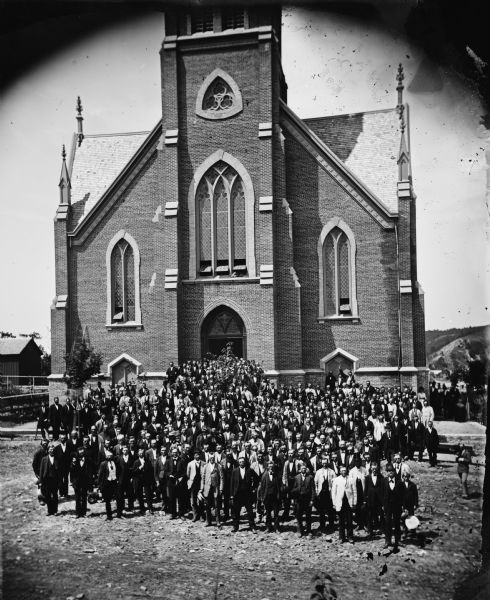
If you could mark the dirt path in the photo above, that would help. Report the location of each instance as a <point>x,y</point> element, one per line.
<point>153,557</point>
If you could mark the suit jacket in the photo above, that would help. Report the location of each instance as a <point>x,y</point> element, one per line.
<point>393,499</point>
<point>269,490</point>
<point>160,468</point>
<point>341,486</point>
<point>323,481</point>
<point>374,493</point>
<point>102,478</point>
<point>246,485</point>
<point>142,472</point>
<point>194,473</point>
<point>289,474</point>
<point>64,457</point>
<point>410,497</point>
<point>49,473</point>
<point>81,475</point>
<point>68,416</point>
<point>212,479</point>
<point>125,469</point>
<point>174,470</point>
<point>54,415</point>
<point>36,461</point>
<point>388,443</point>
<point>303,490</point>
<point>431,439</point>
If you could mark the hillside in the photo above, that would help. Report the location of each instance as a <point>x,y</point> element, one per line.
<point>454,348</point>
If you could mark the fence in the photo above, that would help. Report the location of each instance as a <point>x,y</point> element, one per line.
<point>24,383</point>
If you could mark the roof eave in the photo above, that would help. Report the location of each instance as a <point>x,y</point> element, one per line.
<point>150,139</point>
<point>339,164</point>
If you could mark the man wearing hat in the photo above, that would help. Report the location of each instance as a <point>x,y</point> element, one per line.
<point>393,493</point>
<point>81,480</point>
<point>175,472</point>
<point>49,478</point>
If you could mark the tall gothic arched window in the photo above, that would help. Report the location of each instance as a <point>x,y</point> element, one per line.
<point>220,210</point>
<point>123,282</point>
<point>338,274</point>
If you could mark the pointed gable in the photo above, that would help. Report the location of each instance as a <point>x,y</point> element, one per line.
<point>368,144</point>
<point>95,165</point>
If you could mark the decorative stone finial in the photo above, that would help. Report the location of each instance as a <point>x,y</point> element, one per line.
<point>64,184</point>
<point>80,121</point>
<point>399,88</point>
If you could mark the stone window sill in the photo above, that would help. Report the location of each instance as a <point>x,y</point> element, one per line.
<point>211,280</point>
<point>129,325</point>
<point>351,318</point>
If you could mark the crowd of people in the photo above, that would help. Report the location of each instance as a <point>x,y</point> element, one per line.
<point>219,437</point>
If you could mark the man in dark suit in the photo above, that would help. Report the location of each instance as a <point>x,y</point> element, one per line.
<point>431,443</point>
<point>81,480</point>
<point>68,413</point>
<point>388,443</point>
<point>63,453</point>
<point>124,484</point>
<point>304,493</point>
<point>54,416</point>
<point>374,499</point>
<point>241,493</point>
<point>229,464</point>
<point>49,477</point>
<point>290,470</point>
<point>40,453</point>
<point>175,472</point>
<point>410,498</point>
<point>416,435</point>
<point>107,482</point>
<point>161,478</point>
<point>393,493</point>
<point>143,475</point>
<point>270,496</point>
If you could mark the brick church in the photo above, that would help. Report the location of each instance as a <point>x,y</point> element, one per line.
<point>234,220</point>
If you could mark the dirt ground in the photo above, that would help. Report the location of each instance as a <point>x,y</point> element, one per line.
<point>154,557</point>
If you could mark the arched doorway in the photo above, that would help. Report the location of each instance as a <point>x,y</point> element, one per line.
<point>221,326</point>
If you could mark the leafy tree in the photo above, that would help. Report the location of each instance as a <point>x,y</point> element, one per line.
<point>6,334</point>
<point>45,362</point>
<point>459,374</point>
<point>227,368</point>
<point>477,372</point>
<point>81,364</point>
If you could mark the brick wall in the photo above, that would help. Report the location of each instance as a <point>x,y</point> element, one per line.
<point>315,198</point>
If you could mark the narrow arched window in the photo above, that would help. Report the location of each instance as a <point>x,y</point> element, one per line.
<point>123,283</point>
<point>338,274</point>
<point>220,208</point>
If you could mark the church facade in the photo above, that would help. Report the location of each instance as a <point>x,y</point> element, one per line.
<point>234,220</point>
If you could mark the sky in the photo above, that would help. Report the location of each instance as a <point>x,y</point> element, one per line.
<point>333,65</point>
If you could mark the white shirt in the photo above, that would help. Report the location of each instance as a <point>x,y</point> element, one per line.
<point>112,471</point>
